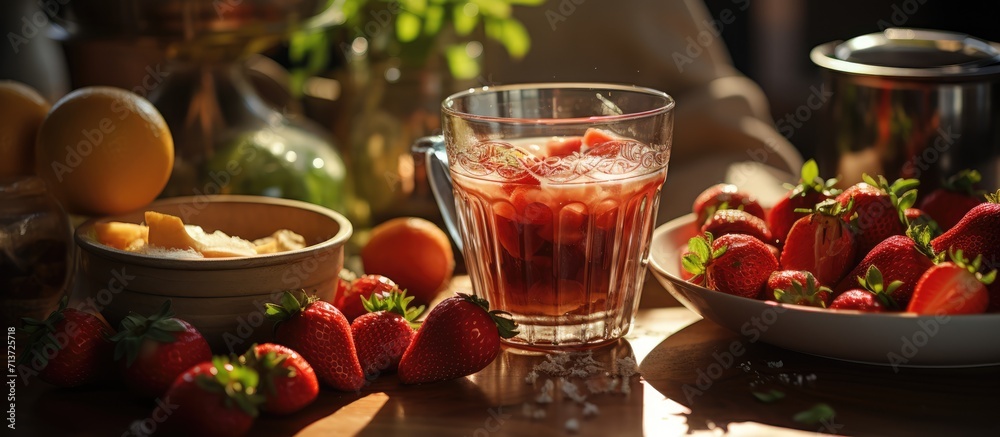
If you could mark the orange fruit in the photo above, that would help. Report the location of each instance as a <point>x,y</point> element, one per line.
<point>104,150</point>
<point>22,110</point>
<point>414,253</point>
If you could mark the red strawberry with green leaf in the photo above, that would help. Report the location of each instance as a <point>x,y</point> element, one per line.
<point>70,348</point>
<point>797,287</point>
<point>287,381</point>
<point>153,350</point>
<point>879,209</point>
<point>459,337</point>
<point>873,296</point>
<point>216,398</point>
<point>958,194</point>
<point>319,332</point>
<point>350,302</point>
<point>735,221</point>
<point>736,264</point>
<point>977,234</point>
<point>724,196</point>
<point>383,334</point>
<point>822,243</point>
<point>899,258</point>
<point>953,287</point>
<point>810,190</point>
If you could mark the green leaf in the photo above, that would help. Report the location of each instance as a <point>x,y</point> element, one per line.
<point>493,8</point>
<point>992,197</point>
<point>460,64</point>
<point>907,200</point>
<point>433,20</point>
<point>700,247</point>
<point>692,265</point>
<point>809,172</point>
<point>770,396</point>
<point>275,311</point>
<point>505,323</point>
<point>818,413</point>
<point>289,301</point>
<point>298,46</point>
<point>964,182</point>
<point>526,2</point>
<point>989,278</point>
<point>901,186</point>
<point>464,23</point>
<point>515,38</point>
<point>407,27</point>
<point>874,277</point>
<point>415,7</point>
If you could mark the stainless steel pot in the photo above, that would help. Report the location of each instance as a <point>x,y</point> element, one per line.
<point>911,103</point>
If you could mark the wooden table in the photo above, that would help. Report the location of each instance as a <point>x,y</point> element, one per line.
<point>691,383</point>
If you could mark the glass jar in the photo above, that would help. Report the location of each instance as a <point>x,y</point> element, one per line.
<point>36,250</point>
<point>229,141</point>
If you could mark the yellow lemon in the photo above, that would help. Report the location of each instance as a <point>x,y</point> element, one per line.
<point>104,150</point>
<point>21,112</point>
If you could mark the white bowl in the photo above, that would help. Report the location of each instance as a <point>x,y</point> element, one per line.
<point>895,339</point>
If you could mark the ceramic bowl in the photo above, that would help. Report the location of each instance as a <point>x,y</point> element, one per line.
<point>223,298</point>
<point>893,339</point>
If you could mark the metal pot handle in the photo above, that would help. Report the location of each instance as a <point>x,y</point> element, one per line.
<point>436,162</point>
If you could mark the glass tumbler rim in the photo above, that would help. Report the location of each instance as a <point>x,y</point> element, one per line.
<point>666,106</point>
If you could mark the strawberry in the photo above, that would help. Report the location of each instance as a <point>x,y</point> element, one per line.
<point>594,137</point>
<point>957,195</point>
<point>872,297</point>
<point>821,243</point>
<point>459,337</point>
<point>953,287</point>
<point>797,287</point>
<point>734,221</point>
<point>364,287</point>
<point>319,332</point>
<point>384,333</point>
<point>810,190</point>
<point>976,234</point>
<point>287,381</point>
<point>724,196</point>
<point>563,146</point>
<point>69,348</point>
<point>216,398</point>
<point>153,350</point>
<point>899,258</point>
<point>736,264</point>
<point>344,280</point>
<point>879,209</point>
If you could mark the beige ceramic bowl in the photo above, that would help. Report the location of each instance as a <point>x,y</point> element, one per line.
<point>224,298</point>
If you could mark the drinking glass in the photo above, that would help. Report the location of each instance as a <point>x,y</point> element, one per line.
<point>551,191</point>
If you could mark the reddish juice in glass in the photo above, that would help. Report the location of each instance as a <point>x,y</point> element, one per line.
<point>557,231</point>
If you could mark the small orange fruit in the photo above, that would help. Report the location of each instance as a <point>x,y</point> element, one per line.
<point>414,253</point>
<point>22,110</point>
<point>104,150</point>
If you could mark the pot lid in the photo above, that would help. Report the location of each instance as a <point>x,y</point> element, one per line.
<point>915,53</point>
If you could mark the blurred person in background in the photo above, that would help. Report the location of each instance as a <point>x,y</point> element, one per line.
<point>723,129</point>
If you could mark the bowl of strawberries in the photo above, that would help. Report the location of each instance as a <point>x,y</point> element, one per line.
<point>872,273</point>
